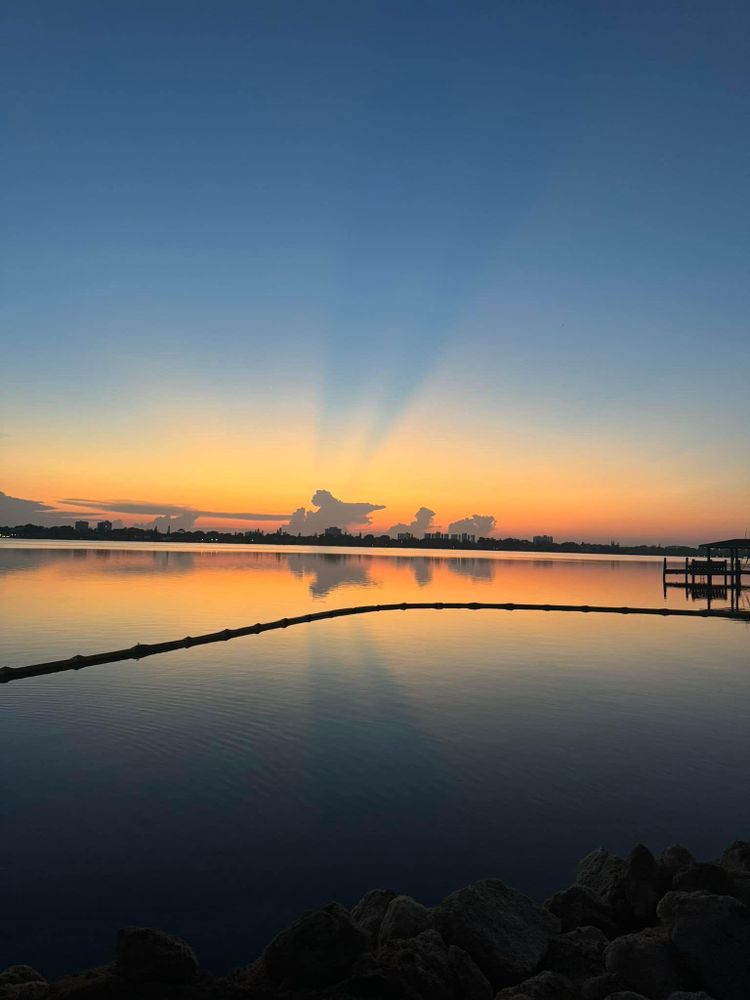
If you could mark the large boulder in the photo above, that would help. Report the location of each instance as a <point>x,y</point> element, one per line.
<point>601,987</point>
<point>580,906</point>
<point>505,932</point>
<point>578,954</point>
<point>147,955</point>
<point>404,918</point>
<point>701,876</point>
<point>644,962</point>
<point>673,860</point>
<point>21,982</point>
<point>631,887</point>
<point>711,935</point>
<point>318,949</point>
<point>370,910</point>
<point>472,982</point>
<point>685,995</point>
<point>544,986</point>
<point>422,965</point>
<point>736,858</point>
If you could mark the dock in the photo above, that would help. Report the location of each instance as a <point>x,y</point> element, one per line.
<point>723,578</point>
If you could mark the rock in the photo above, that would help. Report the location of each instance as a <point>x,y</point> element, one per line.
<point>701,876</point>
<point>100,983</point>
<point>601,872</point>
<point>579,906</point>
<point>627,995</point>
<point>736,858</point>
<point>674,859</point>
<point>682,995</point>
<point>631,887</point>
<point>404,918</point>
<point>21,982</point>
<point>422,965</point>
<point>711,934</point>
<point>644,962</point>
<point>472,982</point>
<point>146,955</point>
<point>318,949</point>
<point>370,910</point>
<point>579,954</point>
<point>600,987</point>
<point>545,986</point>
<point>505,932</point>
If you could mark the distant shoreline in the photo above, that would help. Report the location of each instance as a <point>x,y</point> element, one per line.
<point>344,541</point>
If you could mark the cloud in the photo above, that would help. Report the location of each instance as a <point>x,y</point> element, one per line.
<point>331,513</point>
<point>14,510</point>
<point>423,521</point>
<point>171,515</point>
<point>480,525</point>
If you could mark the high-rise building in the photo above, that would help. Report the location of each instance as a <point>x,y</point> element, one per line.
<point>82,525</point>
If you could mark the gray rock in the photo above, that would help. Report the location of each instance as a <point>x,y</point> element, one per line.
<point>472,982</point>
<point>736,858</point>
<point>21,982</point>
<point>644,962</point>
<point>682,995</point>
<point>631,887</point>
<point>545,986</point>
<point>404,918</point>
<point>505,932</point>
<point>600,987</point>
<point>370,910</point>
<point>702,876</point>
<point>579,954</point>
<point>422,964</point>
<point>711,934</point>
<point>580,906</point>
<point>674,859</point>
<point>318,949</point>
<point>147,955</point>
<point>100,983</point>
<point>627,995</point>
<point>603,873</point>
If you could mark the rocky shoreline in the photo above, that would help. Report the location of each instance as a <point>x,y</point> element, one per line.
<point>660,927</point>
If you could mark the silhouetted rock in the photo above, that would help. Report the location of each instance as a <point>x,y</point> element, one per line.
<point>702,876</point>
<point>422,964</point>
<point>472,982</point>
<point>631,887</point>
<point>578,954</point>
<point>711,934</point>
<point>370,910</point>
<point>21,982</point>
<point>674,859</point>
<point>580,906</point>
<point>601,987</point>
<point>627,995</point>
<point>145,955</point>
<point>318,949</point>
<point>544,986</point>
<point>736,857</point>
<point>683,995</point>
<point>505,932</point>
<point>645,962</point>
<point>404,918</point>
<point>100,983</point>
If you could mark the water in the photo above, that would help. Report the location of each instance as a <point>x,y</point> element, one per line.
<point>220,791</point>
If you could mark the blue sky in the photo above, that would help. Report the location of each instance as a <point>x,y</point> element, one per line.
<point>522,210</point>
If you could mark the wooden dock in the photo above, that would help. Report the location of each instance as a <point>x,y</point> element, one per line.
<point>708,578</point>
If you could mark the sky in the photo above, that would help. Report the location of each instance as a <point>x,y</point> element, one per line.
<point>484,258</point>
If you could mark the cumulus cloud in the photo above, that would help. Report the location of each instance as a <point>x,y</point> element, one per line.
<point>423,521</point>
<point>331,513</point>
<point>480,525</point>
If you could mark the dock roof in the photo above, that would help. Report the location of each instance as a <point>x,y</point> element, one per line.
<point>729,543</point>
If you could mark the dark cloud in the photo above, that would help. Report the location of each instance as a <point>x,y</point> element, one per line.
<point>169,515</point>
<point>423,521</point>
<point>14,510</point>
<point>331,513</point>
<point>480,525</point>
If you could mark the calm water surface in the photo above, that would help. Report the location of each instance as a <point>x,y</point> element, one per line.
<point>218,792</point>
